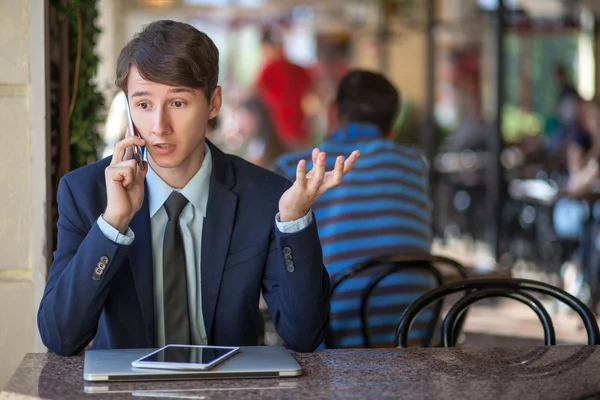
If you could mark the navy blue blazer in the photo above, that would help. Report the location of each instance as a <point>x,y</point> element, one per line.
<point>242,252</point>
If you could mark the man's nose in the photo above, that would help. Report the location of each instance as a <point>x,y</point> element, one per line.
<point>161,125</point>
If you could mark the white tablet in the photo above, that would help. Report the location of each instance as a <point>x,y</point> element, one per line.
<point>184,357</point>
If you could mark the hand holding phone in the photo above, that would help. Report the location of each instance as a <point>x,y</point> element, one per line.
<point>137,150</point>
<point>125,179</point>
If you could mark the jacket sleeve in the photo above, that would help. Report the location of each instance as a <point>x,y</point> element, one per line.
<point>78,281</point>
<point>296,288</point>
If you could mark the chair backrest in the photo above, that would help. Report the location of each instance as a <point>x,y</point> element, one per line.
<point>477,289</point>
<point>368,299</point>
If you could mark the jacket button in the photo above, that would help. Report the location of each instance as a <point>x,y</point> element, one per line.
<point>290,268</point>
<point>96,277</point>
<point>99,271</point>
<point>104,260</point>
<point>287,251</point>
<point>101,265</point>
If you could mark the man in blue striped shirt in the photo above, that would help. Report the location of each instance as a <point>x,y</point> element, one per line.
<point>381,208</point>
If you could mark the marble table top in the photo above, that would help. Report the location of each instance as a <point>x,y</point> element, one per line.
<point>559,372</point>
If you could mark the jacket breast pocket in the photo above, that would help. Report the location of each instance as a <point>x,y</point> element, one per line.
<point>246,254</point>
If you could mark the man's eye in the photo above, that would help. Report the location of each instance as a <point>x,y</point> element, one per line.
<point>178,104</point>
<point>144,106</point>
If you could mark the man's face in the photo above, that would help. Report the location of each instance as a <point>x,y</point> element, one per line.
<point>173,122</point>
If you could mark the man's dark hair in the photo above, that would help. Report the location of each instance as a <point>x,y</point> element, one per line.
<point>369,98</point>
<point>270,35</point>
<point>171,53</point>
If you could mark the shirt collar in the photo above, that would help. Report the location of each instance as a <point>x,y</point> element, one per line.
<point>196,190</point>
<point>356,132</point>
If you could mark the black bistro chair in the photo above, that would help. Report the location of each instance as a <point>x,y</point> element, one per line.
<point>372,273</point>
<point>483,288</point>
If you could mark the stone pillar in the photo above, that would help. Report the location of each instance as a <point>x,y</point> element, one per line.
<point>23,178</point>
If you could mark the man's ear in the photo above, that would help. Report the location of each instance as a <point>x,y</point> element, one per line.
<point>214,105</point>
<point>391,134</point>
<point>332,118</point>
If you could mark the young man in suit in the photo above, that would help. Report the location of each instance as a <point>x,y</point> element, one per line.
<point>178,250</point>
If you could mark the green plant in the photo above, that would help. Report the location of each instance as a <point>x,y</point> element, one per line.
<point>86,105</point>
<point>518,123</point>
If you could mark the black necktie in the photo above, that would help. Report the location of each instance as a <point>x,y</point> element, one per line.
<point>175,294</point>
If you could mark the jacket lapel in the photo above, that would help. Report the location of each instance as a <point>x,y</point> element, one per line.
<point>140,260</point>
<point>216,233</point>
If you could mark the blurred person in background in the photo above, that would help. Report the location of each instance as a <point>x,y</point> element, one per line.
<point>578,139</point>
<point>283,86</point>
<point>382,207</point>
<point>256,126</point>
<point>567,128</point>
<point>567,96</point>
<point>571,212</point>
<point>585,177</point>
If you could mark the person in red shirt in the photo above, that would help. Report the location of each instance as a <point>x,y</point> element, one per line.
<point>282,86</point>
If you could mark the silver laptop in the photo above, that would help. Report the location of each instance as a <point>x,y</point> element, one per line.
<point>249,362</point>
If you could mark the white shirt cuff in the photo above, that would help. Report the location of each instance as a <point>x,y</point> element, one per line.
<point>294,226</point>
<point>113,234</point>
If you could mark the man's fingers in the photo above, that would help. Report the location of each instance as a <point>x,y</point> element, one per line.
<point>334,177</point>
<point>128,153</point>
<point>301,173</point>
<point>319,171</point>
<point>338,171</point>
<point>121,174</point>
<point>123,148</point>
<point>124,172</point>
<point>131,163</point>
<point>350,161</point>
<point>141,172</point>
<point>315,154</point>
<point>313,158</point>
<point>341,168</point>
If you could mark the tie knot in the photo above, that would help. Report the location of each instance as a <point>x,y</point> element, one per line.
<point>175,205</point>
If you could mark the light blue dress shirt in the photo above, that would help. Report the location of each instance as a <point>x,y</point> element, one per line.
<point>191,222</point>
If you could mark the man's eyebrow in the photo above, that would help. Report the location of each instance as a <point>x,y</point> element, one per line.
<point>172,90</point>
<point>139,94</point>
<point>181,90</point>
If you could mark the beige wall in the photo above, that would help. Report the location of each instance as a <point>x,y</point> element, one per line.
<point>407,63</point>
<point>22,178</point>
<point>407,47</point>
<point>406,55</point>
